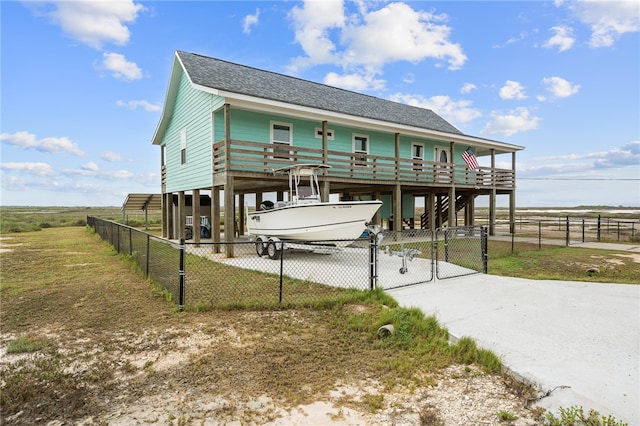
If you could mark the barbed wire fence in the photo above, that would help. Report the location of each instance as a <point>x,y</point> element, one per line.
<point>569,230</point>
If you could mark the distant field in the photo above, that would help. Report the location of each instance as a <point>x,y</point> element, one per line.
<point>26,219</point>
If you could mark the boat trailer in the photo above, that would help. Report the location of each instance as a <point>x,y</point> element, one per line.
<point>272,247</point>
<point>405,254</point>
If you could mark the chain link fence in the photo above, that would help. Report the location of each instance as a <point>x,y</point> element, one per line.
<point>272,274</point>
<point>460,250</point>
<point>158,258</point>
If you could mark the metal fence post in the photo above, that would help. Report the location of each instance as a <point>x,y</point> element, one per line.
<point>146,269</point>
<point>567,236</point>
<point>181,278</point>
<point>446,244</point>
<point>485,249</point>
<point>583,230</point>
<point>539,235</point>
<point>281,268</point>
<point>373,260</point>
<point>599,223</point>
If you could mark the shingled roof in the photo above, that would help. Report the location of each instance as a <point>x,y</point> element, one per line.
<point>240,79</point>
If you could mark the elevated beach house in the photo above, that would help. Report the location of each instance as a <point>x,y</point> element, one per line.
<point>226,127</point>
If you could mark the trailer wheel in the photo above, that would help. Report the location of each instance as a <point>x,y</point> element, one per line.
<point>261,246</point>
<point>273,250</point>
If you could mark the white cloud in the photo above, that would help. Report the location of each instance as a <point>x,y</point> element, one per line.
<point>312,23</point>
<point>96,22</point>
<point>608,20</point>
<point>364,41</point>
<point>563,38</point>
<point>409,78</point>
<point>559,87</point>
<point>626,155</point>
<point>51,145</point>
<point>512,90</point>
<point>399,33</point>
<point>37,169</point>
<point>453,111</point>
<point>468,88</point>
<point>111,156</point>
<point>133,105</point>
<point>121,68</point>
<point>515,121</point>
<point>621,158</point>
<point>512,40</point>
<point>357,82</point>
<point>90,166</point>
<point>249,21</point>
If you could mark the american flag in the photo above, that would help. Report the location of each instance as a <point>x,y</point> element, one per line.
<point>470,158</point>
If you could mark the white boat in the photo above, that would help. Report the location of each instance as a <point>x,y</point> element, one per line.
<point>305,217</point>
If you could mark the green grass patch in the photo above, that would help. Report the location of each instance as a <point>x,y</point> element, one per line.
<point>25,345</point>
<point>563,263</point>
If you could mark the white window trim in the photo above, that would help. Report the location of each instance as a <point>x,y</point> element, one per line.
<point>363,161</point>
<point>318,133</point>
<point>413,145</point>
<point>280,123</point>
<point>436,153</point>
<point>183,147</point>
<point>280,153</point>
<point>417,167</point>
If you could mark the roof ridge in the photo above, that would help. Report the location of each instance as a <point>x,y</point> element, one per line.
<point>303,80</point>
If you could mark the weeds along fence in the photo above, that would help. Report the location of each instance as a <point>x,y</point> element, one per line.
<point>569,230</point>
<point>156,257</point>
<point>201,276</point>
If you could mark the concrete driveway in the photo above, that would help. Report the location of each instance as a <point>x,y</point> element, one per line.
<point>579,340</point>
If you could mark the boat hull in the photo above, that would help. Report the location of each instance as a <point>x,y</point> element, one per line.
<point>344,221</point>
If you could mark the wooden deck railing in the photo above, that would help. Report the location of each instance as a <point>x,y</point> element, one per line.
<point>264,158</point>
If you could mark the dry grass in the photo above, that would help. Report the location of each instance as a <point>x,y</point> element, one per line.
<point>103,339</point>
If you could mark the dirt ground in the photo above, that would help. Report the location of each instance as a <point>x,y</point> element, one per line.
<point>108,350</point>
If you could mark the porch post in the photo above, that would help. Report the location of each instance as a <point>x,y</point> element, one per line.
<point>397,152</point>
<point>182,216</point>
<point>452,206</point>
<point>229,215</point>
<point>512,196</point>
<point>471,210</point>
<point>492,197</point>
<point>430,205</point>
<point>452,189</point>
<point>325,191</point>
<point>258,200</point>
<point>215,217</point>
<point>195,212</point>
<point>325,145</point>
<point>240,214</point>
<point>166,215</point>
<point>397,207</point>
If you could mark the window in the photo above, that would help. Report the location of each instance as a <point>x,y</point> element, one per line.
<point>318,133</point>
<point>443,171</point>
<point>360,149</point>
<point>281,134</point>
<point>417,154</point>
<point>183,147</point>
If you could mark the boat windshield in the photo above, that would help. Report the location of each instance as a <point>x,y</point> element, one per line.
<point>303,184</point>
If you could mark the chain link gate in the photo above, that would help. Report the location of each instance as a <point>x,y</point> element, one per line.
<point>409,257</point>
<point>460,250</point>
<point>404,258</point>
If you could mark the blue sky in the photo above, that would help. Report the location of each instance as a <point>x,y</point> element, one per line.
<point>83,83</point>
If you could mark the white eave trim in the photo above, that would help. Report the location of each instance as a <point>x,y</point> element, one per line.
<point>260,104</point>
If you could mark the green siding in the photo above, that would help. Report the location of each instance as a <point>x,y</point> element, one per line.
<point>197,111</point>
<point>192,112</point>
